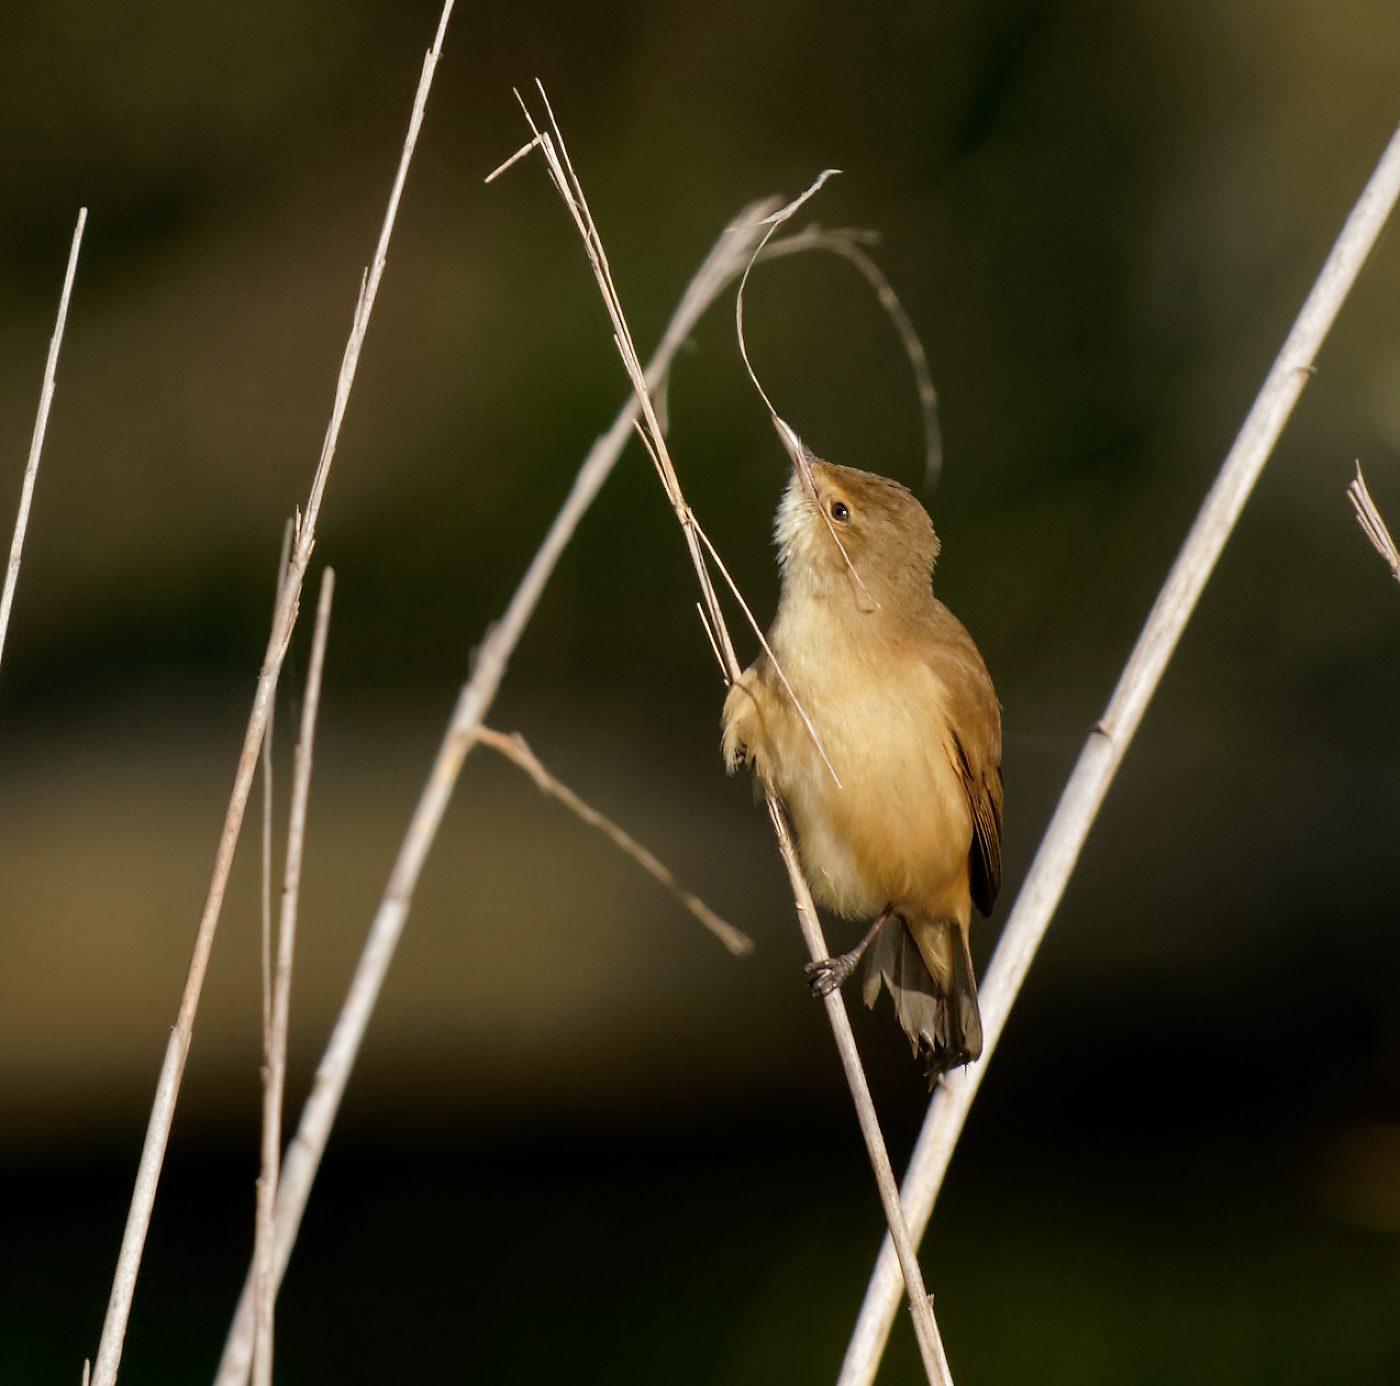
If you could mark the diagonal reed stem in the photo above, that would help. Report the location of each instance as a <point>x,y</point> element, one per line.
<point>41,424</point>
<point>303,1157</point>
<point>570,190</point>
<point>1109,741</point>
<point>721,267</point>
<point>514,748</point>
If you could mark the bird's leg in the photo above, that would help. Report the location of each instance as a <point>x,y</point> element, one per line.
<point>826,976</point>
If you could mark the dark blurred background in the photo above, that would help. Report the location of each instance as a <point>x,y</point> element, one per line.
<point>583,1142</point>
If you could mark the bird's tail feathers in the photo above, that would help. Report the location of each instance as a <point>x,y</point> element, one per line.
<point>942,1022</point>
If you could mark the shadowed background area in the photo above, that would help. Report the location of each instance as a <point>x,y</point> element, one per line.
<point>583,1142</point>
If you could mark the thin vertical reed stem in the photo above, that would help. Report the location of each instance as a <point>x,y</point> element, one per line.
<point>177,1049</point>
<point>280,1001</point>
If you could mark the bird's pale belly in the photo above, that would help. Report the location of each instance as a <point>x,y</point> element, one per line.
<point>898,829</point>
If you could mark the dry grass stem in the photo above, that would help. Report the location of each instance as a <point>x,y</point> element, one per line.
<point>714,644</point>
<point>265,948</point>
<point>275,1046</point>
<point>772,222</point>
<point>511,162</point>
<point>796,450</point>
<point>303,1157</point>
<point>711,601</point>
<point>1371,522</point>
<point>263,1205</point>
<point>1102,754</point>
<point>41,424</point>
<point>566,181</point>
<point>562,174</point>
<point>177,1050</point>
<point>725,262</point>
<point>848,246</point>
<point>264,1216</point>
<point>515,749</point>
<point>849,243</point>
<point>265,952</point>
<point>767,648</point>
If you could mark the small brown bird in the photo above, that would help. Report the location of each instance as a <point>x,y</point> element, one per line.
<point>908,722</point>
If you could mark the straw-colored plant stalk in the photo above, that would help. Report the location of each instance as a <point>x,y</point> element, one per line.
<point>162,1116</point>
<point>550,143</point>
<point>1109,740</point>
<point>1372,525</point>
<point>36,444</point>
<point>465,730</point>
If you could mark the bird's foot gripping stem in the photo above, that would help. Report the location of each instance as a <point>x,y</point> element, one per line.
<point>830,974</point>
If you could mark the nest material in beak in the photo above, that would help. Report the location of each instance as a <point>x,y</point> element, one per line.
<point>799,454</point>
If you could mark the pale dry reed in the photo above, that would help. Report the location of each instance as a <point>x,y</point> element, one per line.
<point>278,996</point>
<point>162,1115</point>
<point>1372,525</point>
<point>566,182</point>
<point>303,1156</point>
<point>36,442</point>
<point>1103,752</point>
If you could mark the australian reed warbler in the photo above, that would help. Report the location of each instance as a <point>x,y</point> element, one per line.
<point>895,790</point>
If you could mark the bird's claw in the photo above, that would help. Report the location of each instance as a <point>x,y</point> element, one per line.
<point>829,974</point>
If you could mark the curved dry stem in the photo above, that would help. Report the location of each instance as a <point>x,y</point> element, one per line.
<point>801,459</point>
<point>772,222</point>
<point>849,242</point>
<point>844,244</point>
<point>1104,750</point>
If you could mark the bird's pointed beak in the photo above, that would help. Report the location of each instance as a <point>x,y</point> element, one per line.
<point>798,453</point>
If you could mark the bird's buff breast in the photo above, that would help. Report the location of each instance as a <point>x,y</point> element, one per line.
<point>897,830</point>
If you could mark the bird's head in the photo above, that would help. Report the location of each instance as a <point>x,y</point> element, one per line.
<point>837,525</point>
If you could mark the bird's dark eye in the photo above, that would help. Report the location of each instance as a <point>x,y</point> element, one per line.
<point>839,511</point>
